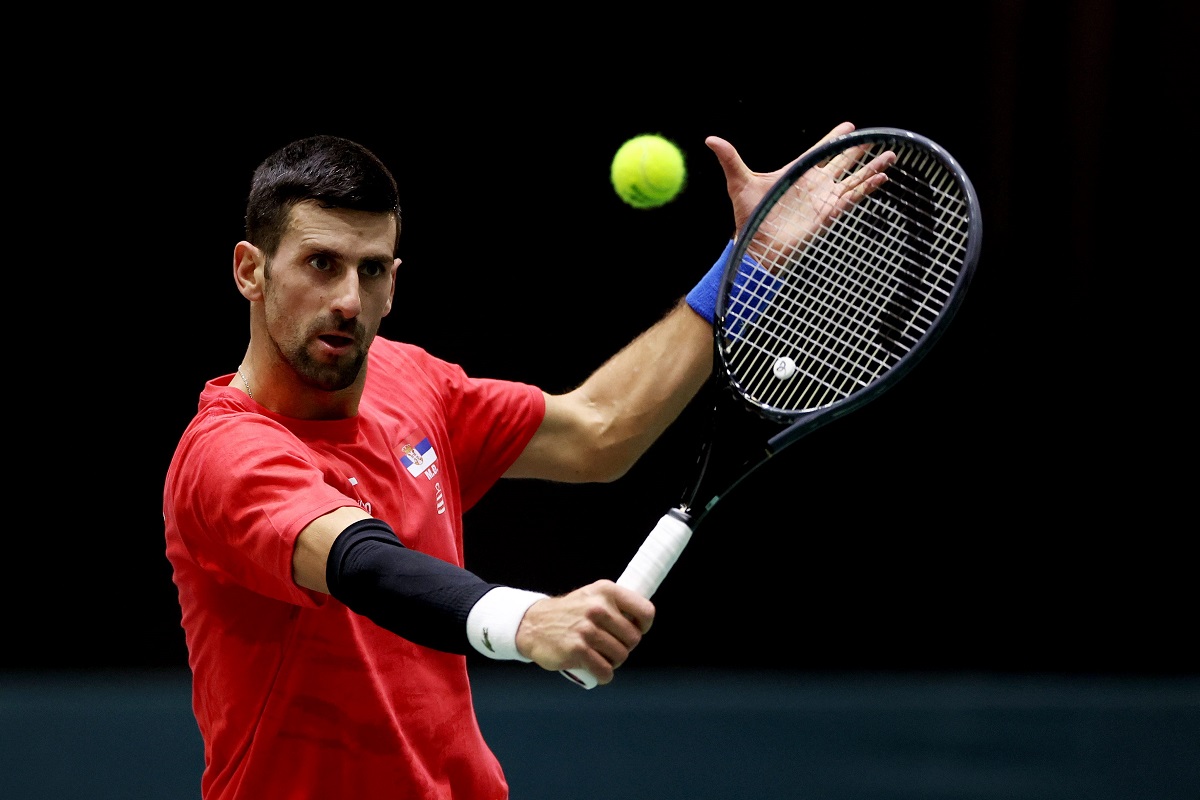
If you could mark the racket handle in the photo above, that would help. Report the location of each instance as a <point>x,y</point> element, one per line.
<point>647,569</point>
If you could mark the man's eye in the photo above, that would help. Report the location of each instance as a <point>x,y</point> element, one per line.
<point>372,269</point>
<point>321,263</point>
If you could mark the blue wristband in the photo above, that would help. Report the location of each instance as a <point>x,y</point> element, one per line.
<point>703,298</point>
<point>753,288</point>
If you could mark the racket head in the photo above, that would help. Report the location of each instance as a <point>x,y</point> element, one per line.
<point>825,303</point>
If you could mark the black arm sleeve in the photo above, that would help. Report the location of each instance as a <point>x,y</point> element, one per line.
<point>413,594</point>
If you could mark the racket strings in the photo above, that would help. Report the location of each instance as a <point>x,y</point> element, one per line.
<point>833,311</point>
<point>824,308</point>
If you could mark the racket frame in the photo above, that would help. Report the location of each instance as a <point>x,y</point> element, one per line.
<point>801,423</point>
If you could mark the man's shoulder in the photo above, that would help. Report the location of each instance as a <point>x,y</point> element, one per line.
<point>384,349</point>
<point>390,355</point>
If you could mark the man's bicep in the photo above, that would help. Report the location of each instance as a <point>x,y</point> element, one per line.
<point>558,449</point>
<point>311,552</point>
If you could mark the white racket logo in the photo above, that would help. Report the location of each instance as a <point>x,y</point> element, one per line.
<point>784,368</point>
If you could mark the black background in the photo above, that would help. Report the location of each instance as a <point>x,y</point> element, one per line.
<point>1007,507</point>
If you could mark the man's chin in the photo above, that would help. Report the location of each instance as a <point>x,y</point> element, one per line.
<point>332,377</point>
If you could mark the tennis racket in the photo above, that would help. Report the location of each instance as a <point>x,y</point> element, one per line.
<point>845,274</point>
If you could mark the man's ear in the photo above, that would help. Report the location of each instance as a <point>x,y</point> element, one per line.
<point>392,288</point>
<point>246,273</point>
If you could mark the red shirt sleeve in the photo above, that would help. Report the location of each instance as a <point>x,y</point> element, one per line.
<point>249,488</point>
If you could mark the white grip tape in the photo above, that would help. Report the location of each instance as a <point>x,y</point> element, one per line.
<point>646,570</point>
<point>656,556</point>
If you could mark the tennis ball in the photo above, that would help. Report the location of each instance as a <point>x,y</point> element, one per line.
<point>648,171</point>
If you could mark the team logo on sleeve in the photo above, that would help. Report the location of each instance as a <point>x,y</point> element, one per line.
<point>419,459</point>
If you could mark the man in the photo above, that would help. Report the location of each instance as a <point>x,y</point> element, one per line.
<point>313,507</point>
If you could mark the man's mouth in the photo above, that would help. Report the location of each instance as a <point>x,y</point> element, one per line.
<point>336,342</point>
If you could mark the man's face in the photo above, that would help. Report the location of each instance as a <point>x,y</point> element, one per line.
<point>326,290</point>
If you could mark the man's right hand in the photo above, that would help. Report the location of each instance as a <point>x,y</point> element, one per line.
<point>594,627</point>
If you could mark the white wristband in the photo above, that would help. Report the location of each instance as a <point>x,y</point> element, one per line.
<point>493,622</point>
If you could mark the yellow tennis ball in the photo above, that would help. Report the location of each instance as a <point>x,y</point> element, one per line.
<point>648,171</point>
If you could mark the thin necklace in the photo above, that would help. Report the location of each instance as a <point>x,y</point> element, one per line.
<point>245,382</point>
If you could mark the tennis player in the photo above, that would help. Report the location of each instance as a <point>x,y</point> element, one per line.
<point>314,505</point>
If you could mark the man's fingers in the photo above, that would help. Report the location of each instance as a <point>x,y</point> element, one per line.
<point>727,156</point>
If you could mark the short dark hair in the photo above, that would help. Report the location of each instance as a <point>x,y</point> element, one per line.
<point>335,172</point>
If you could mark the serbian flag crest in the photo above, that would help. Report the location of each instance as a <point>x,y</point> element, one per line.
<point>417,459</point>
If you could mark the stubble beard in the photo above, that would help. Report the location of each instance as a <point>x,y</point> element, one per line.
<point>324,375</point>
<point>328,377</point>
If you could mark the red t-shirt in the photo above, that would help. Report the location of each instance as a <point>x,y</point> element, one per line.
<point>295,695</point>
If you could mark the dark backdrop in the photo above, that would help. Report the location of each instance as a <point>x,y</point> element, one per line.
<point>1001,509</point>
